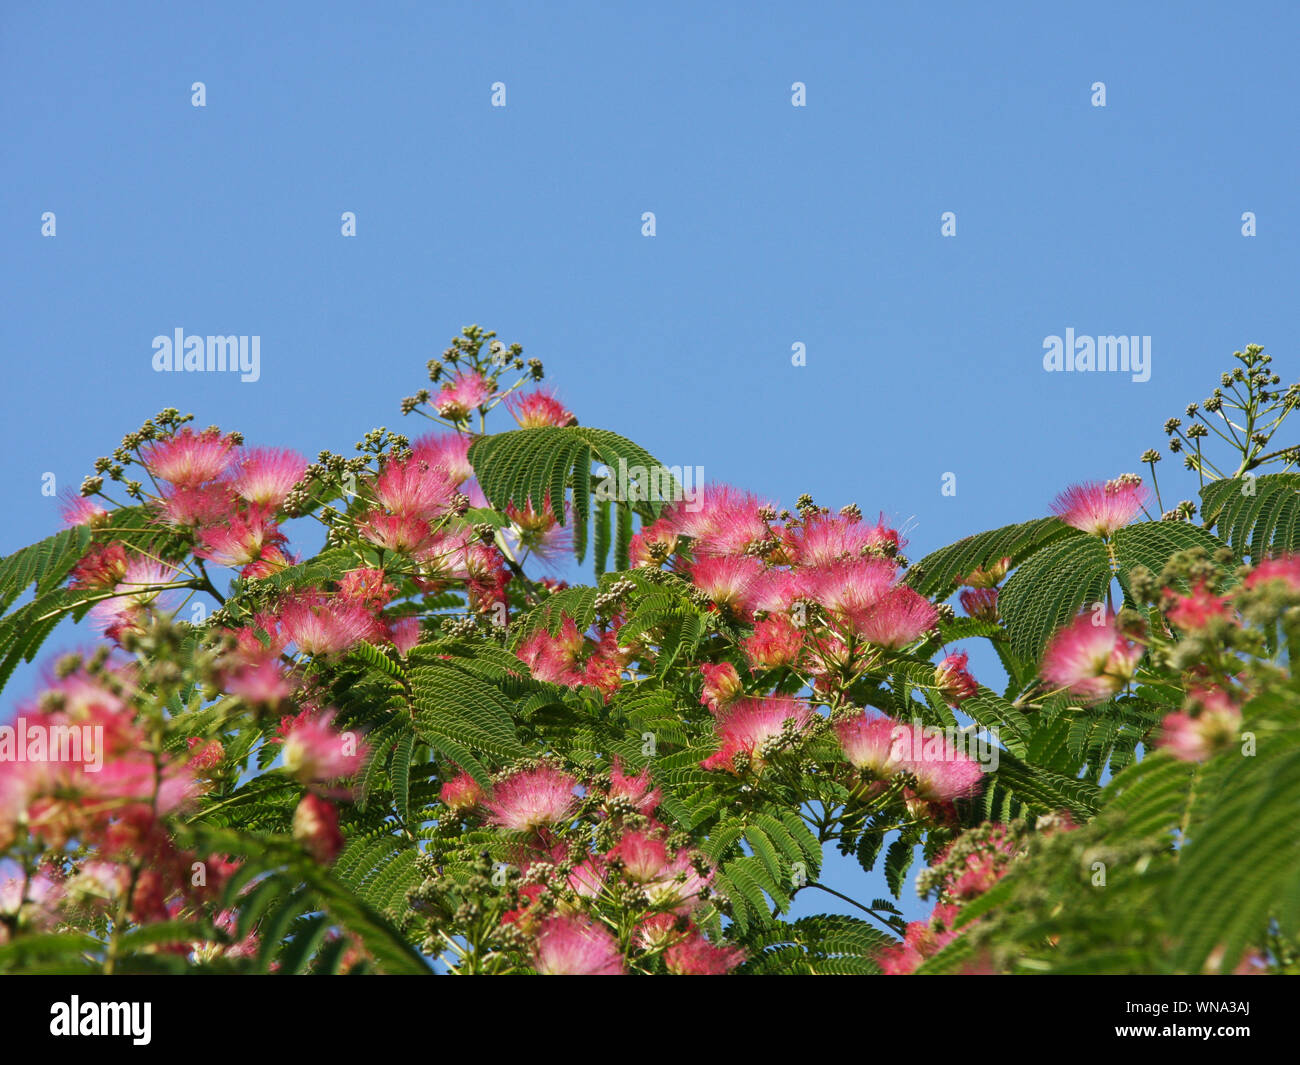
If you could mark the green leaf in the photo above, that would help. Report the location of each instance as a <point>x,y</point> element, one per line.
<point>1049,588</point>
<point>1255,515</point>
<point>938,572</point>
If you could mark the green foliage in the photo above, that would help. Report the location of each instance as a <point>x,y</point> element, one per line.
<point>1256,515</point>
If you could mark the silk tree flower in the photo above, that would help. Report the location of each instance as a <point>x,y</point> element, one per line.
<point>135,592</point>
<point>187,459</point>
<point>401,534</point>
<point>722,686</point>
<point>643,856</point>
<point>460,396</point>
<point>202,505</point>
<point>240,539</point>
<point>1100,509</point>
<point>326,625</point>
<point>652,545</point>
<point>1090,660</point>
<point>405,634</point>
<point>823,540</point>
<point>1213,726</point>
<point>1282,569</point>
<point>316,827</point>
<point>576,946</point>
<point>954,680</point>
<point>316,753</point>
<point>554,657</point>
<point>530,799</point>
<point>923,939</point>
<point>753,726</point>
<point>1198,609</point>
<point>81,510</point>
<point>728,580</point>
<point>539,532</point>
<point>414,489</point>
<point>851,587</point>
<point>588,877</point>
<point>942,772</point>
<point>981,603</point>
<point>635,792</point>
<point>539,409</point>
<point>448,452</point>
<point>368,586</point>
<point>722,521</point>
<point>461,793</point>
<point>868,743</point>
<point>901,617</point>
<point>101,567</point>
<point>696,956</point>
<point>264,476</point>
<point>775,642</point>
<point>679,885</point>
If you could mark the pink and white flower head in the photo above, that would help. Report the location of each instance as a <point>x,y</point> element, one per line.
<point>316,827</point>
<point>539,409</point>
<point>868,743</point>
<point>900,618</point>
<point>825,540</point>
<point>414,489</point>
<point>461,793</point>
<point>367,586</point>
<point>588,877</point>
<point>556,657</point>
<point>323,625</point>
<point>530,799</point>
<point>187,508</point>
<point>754,727</point>
<point>942,771</point>
<point>679,885</point>
<point>241,539</point>
<point>539,532</point>
<point>264,476</point>
<point>463,394</point>
<point>1090,657</point>
<point>850,587</point>
<point>694,955</point>
<point>643,856</point>
<point>572,945</point>
<point>1212,727</point>
<point>636,790</point>
<point>137,591</point>
<point>722,521</point>
<point>1100,509</point>
<point>981,603</point>
<point>315,752</point>
<point>402,534</point>
<point>722,686</point>
<point>776,642</point>
<point>1283,570</point>
<point>652,545</point>
<point>82,510</point>
<point>405,634</point>
<point>448,452</point>
<point>188,459</point>
<point>1198,609</point>
<point>954,680</point>
<point>728,580</point>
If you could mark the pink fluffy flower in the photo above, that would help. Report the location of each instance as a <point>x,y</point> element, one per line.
<point>1098,508</point>
<point>576,946</point>
<point>536,410</point>
<point>850,587</point>
<point>1213,727</point>
<point>315,752</point>
<point>240,539</point>
<point>81,510</point>
<point>824,540</point>
<point>414,489</point>
<point>980,603</point>
<point>954,680</point>
<point>187,508</point>
<point>942,771</point>
<point>728,580</point>
<point>532,798</point>
<point>696,956</point>
<point>922,940</point>
<point>322,625</point>
<point>775,642</point>
<point>1284,570</point>
<point>448,452</point>
<point>753,726</point>
<point>898,619</point>
<point>135,592</point>
<point>187,459</point>
<point>264,476</point>
<point>1197,610</point>
<point>723,521</point>
<point>722,686</point>
<point>643,856</point>
<point>868,743</point>
<point>466,392</point>
<point>636,791</point>
<point>554,657</point>
<point>1091,660</point>
<point>316,827</point>
<point>679,885</point>
<point>399,533</point>
<point>461,793</point>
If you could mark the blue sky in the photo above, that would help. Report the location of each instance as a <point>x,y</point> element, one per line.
<point>775,225</point>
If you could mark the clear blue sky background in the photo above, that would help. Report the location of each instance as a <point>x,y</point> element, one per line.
<point>776,225</point>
